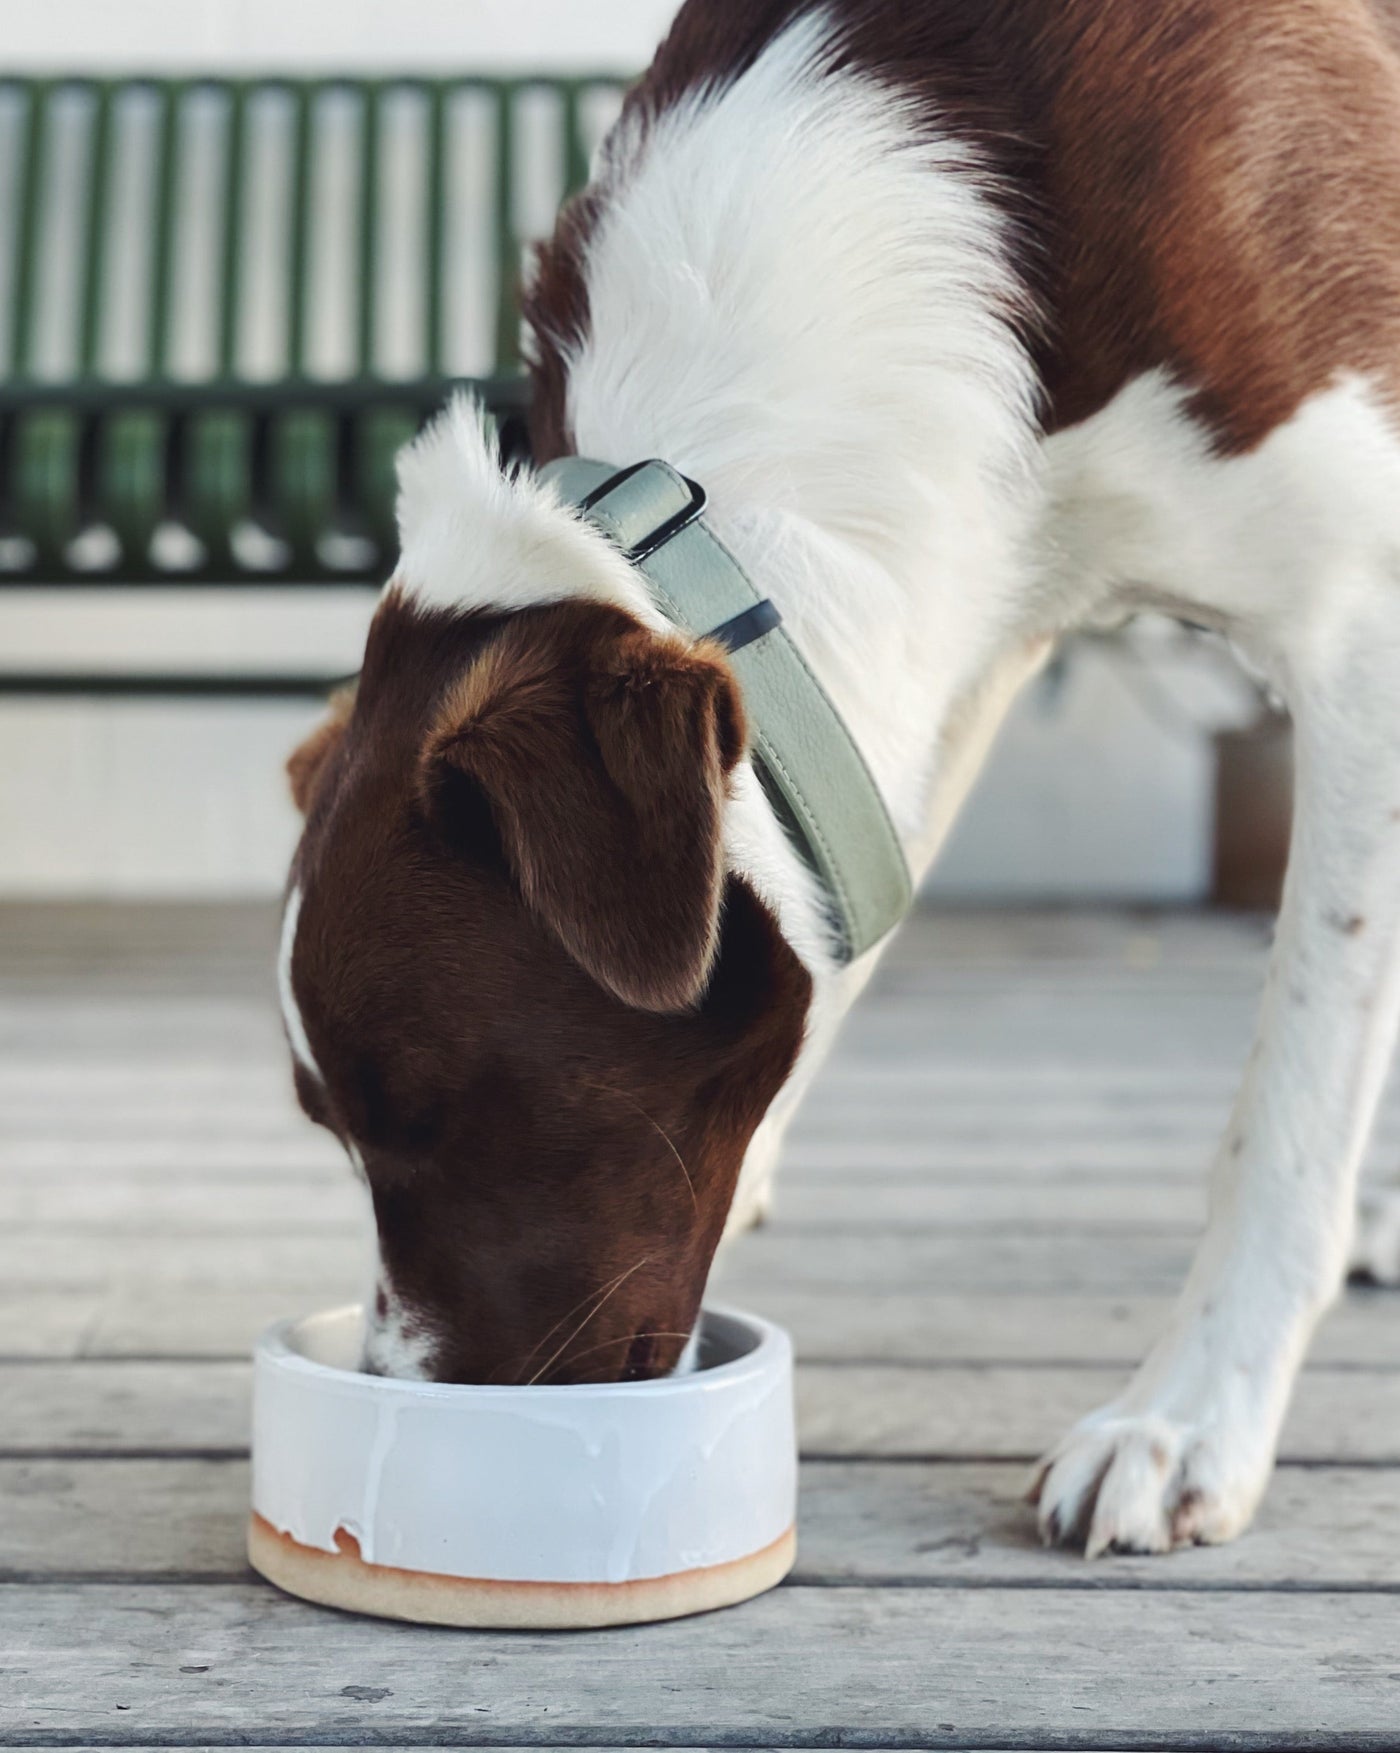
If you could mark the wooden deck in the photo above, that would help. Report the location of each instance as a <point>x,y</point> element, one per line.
<point>987,1205</point>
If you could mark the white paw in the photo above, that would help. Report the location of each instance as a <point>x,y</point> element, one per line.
<point>1375,1248</point>
<point>1138,1482</point>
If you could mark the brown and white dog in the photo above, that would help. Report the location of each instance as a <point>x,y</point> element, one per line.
<point>979,320</point>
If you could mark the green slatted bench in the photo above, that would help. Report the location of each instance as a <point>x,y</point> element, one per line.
<point>225,304</point>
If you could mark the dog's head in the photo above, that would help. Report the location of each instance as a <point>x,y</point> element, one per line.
<point>521,988</point>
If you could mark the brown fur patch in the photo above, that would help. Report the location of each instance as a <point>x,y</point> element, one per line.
<point>602,752</point>
<point>555,313</point>
<point>1211,187</point>
<point>551,1166</point>
<point>306,761</point>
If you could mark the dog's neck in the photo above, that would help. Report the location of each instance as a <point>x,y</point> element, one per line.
<point>827,341</point>
<point>795,293</point>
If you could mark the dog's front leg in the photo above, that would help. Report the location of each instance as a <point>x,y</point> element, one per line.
<point>1185,1453</point>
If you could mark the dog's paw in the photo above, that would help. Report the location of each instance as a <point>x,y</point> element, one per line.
<point>1375,1248</point>
<point>1138,1482</point>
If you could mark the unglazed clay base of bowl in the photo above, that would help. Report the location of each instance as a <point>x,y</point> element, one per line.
<point>343,1579</point>
<point>550,1506</point>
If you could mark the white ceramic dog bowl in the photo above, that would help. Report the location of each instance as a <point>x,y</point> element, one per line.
<point>544,1506</point>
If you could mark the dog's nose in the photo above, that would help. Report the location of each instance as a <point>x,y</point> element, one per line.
<point>641,1357</point>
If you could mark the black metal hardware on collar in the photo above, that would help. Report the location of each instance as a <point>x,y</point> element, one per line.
<point>657,538</point>
<point>747,626</point>
<point>739,630</point>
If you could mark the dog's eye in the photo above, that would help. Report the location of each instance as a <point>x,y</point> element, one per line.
<point>387,1119</point>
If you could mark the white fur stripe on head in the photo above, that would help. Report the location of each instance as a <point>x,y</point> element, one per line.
<point>475,536</point>
<point>291,1016</point>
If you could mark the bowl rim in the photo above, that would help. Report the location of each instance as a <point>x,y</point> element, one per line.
<point>771,1355</point>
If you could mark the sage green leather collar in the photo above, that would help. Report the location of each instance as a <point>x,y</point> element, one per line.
<point>805,756</point>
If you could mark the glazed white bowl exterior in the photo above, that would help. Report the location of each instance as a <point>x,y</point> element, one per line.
<point>603,1483</point>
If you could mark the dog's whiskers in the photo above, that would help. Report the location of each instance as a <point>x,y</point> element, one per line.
<point>544,1339</point>
<point>667,1140</point>
<point>622,1339</point>
<point>559,1351</point>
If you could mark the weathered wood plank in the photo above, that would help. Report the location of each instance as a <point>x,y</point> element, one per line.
<point>926,1326</point>
<point>56,1160</point>
<point>963,1085</point>
<point>110,1407</point>
<point>1019,1162</point>
<point>854,1147</point>
<point>1319,1527</point>
<point>946,1327</point>
<point>330,1203</point>
<point>166,1086</point>
<point>957,1094</point>
<point>311,1267</point>
<point>165,1207</point>
<point>1004,1412</point>
<point>201,1156</point>
<point>860,1158</point>
<point>313,1264</point>
<point>136,1083</point>
<point>57,1164</point>
<point>876,1523</point>
<point>848,1204</point>
<point>804,1666</point>
<point>959,1091</point>
<point>904,1089</point>
<point>890,1410</point>
<point>113,1519</point>
<point>902,982</point>
<point>46,1324</point>
<point>1017,936</point>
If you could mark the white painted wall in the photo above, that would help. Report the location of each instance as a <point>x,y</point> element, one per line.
<point>340,35</point>
<point>159,797</point>
<point>1101,788</point>
<point>1096,790</point>
<point>1091,794</point>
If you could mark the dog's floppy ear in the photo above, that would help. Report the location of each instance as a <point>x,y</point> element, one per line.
<point>601,751</point>
<point>307,761</point>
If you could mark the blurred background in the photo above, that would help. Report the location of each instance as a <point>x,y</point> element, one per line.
<point>244,248</point>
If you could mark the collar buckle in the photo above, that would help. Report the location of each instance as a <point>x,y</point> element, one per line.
<point>646,545</point>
